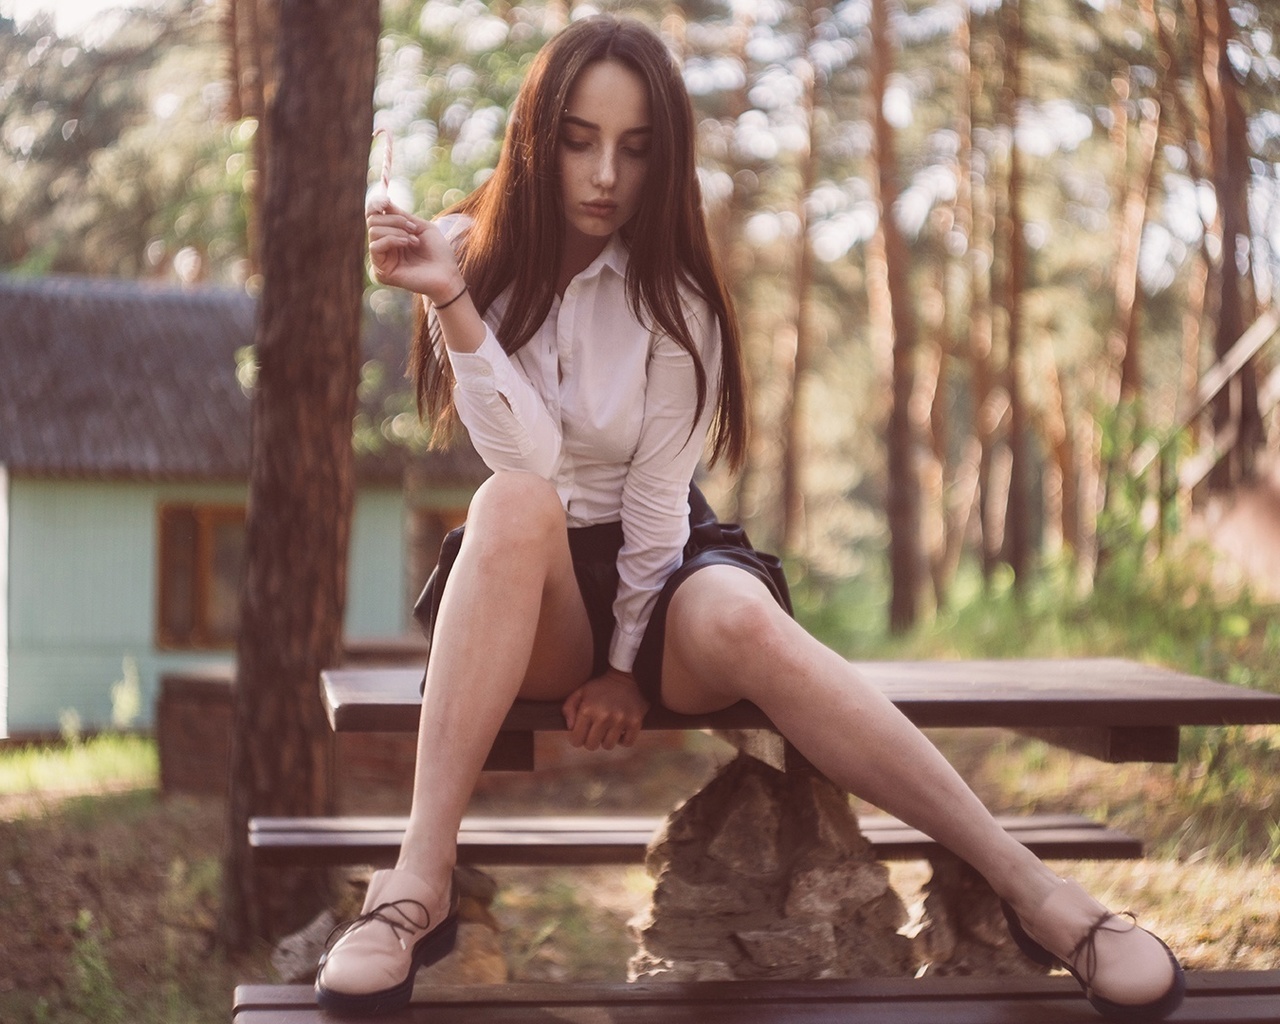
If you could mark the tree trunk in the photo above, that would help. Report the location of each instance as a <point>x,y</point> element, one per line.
<point>1062,488</point>
<point>1193,136</point>
<point>791,502</point>
<point>726,224</point>
<point>251,33</point>
<point>956,482</point>
<point>301,471</point>
<point>1017,516</point>
<point>980,341</point>
<point>1135,181</point>
<point>903,496</point>
<point>1237,405</point>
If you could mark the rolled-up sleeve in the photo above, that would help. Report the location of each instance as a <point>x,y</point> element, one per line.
<point>655,495</point>
<point>509,425</point>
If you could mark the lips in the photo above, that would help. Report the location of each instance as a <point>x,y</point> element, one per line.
<point>600,208</point>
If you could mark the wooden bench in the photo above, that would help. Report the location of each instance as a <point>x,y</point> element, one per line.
<point>1108,708</point>
<point>575,840</point>
<point>1212,997</point>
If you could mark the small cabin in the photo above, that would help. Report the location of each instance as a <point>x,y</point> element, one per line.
<point>124,467</point>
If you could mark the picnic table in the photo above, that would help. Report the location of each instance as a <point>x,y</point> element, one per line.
<point>1112,709</point>
<point>1109,708</point>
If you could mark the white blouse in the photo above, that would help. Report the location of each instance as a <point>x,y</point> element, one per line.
<point>603,408</point>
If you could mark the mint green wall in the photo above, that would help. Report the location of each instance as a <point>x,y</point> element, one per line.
<point>376,580</point>
<point>82,582</point>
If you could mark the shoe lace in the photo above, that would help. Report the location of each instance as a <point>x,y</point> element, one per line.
<point>396,915</point>
<point>1087,947</point>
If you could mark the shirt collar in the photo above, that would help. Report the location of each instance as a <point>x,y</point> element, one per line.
<point>614,255</point>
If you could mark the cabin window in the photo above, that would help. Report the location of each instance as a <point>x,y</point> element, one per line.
<point>201,560</point>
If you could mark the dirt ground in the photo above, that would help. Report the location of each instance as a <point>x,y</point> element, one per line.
<point>108,904</point>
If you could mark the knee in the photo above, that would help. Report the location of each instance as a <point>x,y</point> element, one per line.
<point>737,628</point>
<point>511,512</point>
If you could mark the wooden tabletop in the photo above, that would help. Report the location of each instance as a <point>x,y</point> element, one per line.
<point>1058,698</point>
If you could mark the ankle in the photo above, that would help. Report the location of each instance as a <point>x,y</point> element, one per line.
<point>1026,891</point>
<point>439,881</point>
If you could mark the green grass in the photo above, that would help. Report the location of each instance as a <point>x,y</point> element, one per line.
<point>107,761</point>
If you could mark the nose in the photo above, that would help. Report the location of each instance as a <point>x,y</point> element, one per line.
<point>606,170</point>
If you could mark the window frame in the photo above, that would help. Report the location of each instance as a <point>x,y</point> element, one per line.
<point>208,517</point>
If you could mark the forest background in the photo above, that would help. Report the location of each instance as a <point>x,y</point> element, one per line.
<point>952,401</point>
<point>977,372</point>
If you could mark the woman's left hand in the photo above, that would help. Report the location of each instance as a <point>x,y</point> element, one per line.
<point>606,711</point>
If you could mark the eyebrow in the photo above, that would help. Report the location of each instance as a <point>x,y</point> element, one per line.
<point>582,123</point>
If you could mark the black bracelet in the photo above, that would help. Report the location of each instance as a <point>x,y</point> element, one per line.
<point>446,305</point>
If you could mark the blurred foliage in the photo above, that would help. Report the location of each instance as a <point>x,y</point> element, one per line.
<point>118,159</point>
<point>115,155</point>
<point>1167,611</point>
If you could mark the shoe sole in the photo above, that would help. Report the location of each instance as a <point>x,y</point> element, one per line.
<point>431,948</point>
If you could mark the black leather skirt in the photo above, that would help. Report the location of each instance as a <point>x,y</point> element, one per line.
<point>595,561</point>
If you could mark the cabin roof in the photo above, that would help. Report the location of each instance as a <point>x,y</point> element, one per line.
<point>108,378</point>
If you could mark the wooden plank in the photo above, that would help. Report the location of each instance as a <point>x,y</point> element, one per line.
<point>511,752</point>
<point>1213,997</point>
<point>617,823</point>
<point>1021,693</point>
<point>1158,744</point>
<point>625,840</point>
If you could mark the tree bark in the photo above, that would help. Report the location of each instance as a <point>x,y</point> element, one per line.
<point>726,224</point>
<point>957,482</point>
<point>903,494</point>
<point>250,27</point>
<point>1135,181</point>
<point>979,344</point>
<point>791,503</point>
<point>1017,515</point>
<point>301,471</point>
<point>1229,157</point>
<point>1062,481</point>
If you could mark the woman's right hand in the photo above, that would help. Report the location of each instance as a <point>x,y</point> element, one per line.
<point>411,253</point>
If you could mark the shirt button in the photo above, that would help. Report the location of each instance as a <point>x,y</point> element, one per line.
<point>484,370</point>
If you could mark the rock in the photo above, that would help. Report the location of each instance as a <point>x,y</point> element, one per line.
<point>652,969</point>
<point>796,951</point>
<point>837,825</point>
<point>296,956</point>
<point>891,955</point>
<point>478,959</point>
<point>835,890</point>
<point>703,899</point>
<point>962,931</point>
<point>747,840</point>
<point>765,874</point>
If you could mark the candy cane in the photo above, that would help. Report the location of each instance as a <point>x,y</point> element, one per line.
<point>379,197</point>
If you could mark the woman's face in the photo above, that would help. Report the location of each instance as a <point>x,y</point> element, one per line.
<point>604,149</point>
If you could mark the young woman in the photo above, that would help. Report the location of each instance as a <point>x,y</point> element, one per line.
<point>579,329</point>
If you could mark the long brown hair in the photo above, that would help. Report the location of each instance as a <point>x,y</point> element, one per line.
<point>517,226</point>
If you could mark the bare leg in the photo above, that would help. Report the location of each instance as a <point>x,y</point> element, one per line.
<point>511,623</point>
<point>726,639</point>
<point>724,642</point>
